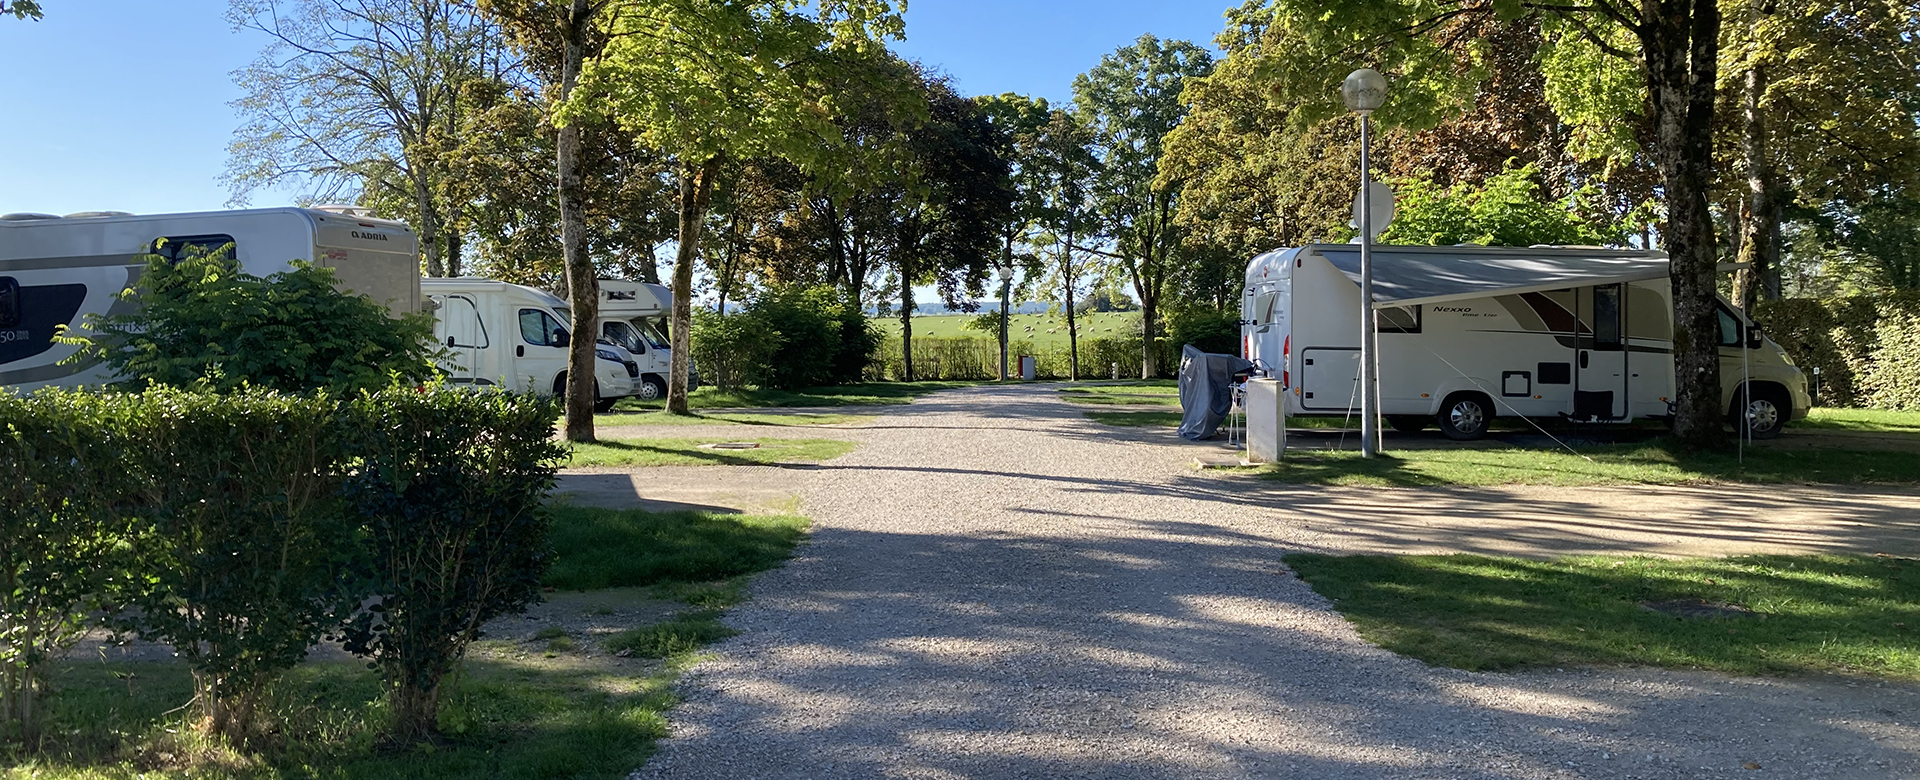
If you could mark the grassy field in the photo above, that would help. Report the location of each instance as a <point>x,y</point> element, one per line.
<point>1041,329</point>
<point>1653,463</point>
<point>689,452</point>
<point>1857,614</point>
<point>862,394</point>
<point>1158,392</point>
<point>1870,420</point>
<point>564,710</point>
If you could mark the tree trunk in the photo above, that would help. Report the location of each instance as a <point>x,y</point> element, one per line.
<point>583,288</point>
<point>906,318</point>
<point>1073,331</point>
<point>696,191</point>
<point>1759,214</point>
<point>1680,40</point>
<point>429,225</point>
<point>455,246</point>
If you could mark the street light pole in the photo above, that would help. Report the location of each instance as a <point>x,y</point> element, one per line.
<point>1364,91</point>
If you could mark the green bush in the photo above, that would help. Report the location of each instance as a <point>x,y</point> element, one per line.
<point>1217,332</point>
<point>202,319</point>
<point>787,337</point>
<point>1841,337</point>
<point>449,488</point>
<point>243,543</point>
<point>62,483</point>
<point>1893,373</point>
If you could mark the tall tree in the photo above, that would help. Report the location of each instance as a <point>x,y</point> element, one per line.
<point>1065,161</point>
<point>1131,101</point>
<point>1022,122</point>
<point>705,81</point>
<point>361,98</point>
<point>1674,43</point>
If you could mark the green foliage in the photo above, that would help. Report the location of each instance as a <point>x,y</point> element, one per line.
<point>1841,337</point>
<point>62,487</point>
<point>787,337</point>
<point>1508,210</point>
<point>987,322</point>
<point>1893,381</point>
<point>202,319</point>
<point>449,488</point>
<point>610,548</point>
<point>22,9</point>
<point>243,542</point>
<point>683,633</point>
<point>1106,298</point>
<point>1207,330</point>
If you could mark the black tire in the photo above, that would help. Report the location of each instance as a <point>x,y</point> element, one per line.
<point>560,387</point>
<point>604,405</point>
<point>1465,416</point>
<point>652,389</point>
<point>1763,415</point>
<point>1409,423</point>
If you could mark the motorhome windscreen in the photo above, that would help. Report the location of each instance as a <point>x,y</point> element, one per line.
<point>653,335</point>
<point>623,334</point>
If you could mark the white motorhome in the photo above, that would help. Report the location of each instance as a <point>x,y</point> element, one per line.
<point>631,315</point>
<point>1469,333</point>
<point>55,271</point>
<point>516,337</point>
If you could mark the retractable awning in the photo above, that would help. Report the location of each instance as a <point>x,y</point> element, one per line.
<point>1409,275</point>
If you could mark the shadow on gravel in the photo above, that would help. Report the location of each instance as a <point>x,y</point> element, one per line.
<point>1179,650</point>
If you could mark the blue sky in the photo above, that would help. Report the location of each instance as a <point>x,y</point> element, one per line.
<point>123,105</point>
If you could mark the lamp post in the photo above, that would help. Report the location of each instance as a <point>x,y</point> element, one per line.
<point>1006,292</point>
<point>1364,91</point>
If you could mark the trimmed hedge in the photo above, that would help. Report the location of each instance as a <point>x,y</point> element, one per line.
<point>242,527</point>
<point>1865,347</point>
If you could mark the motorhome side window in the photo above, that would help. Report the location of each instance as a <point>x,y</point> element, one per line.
<point>540,328</point>
<point>9,302</point>
<point>178,248</point>
<point>1400,319</point>
<point>1729,327</point>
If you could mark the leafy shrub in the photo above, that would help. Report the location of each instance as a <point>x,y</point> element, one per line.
<point>727,348</point>
<point>1840,337</point>
<point>787,337</point>
<point>62,481</point>
<point>449,487</point>
<point>203,319</point>
<point>1217,332</point>
<point>243,545</point>
<point>1893,375</point>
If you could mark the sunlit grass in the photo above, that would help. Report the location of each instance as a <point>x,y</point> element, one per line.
<point>690,452</point>
<point>1871,420</point>
<point>1655,463</point>
<point>608,548</point>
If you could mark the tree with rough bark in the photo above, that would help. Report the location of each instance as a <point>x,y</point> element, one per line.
<point>1131,101</point>
<point>705,81</point>
<point>1066,164</point>
<point>1423,47</point>
<point>361,100</point>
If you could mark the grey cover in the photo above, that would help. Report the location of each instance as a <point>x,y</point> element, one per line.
<point>1206,391</point>
<point>1406,275</point>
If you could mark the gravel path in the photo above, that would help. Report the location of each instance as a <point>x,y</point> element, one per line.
<point>997,589</point>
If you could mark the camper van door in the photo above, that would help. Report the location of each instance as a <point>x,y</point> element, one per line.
<point>1601,360</point>
<point>459,329</point>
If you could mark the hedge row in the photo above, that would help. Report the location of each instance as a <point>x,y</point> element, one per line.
<point>242,528</point>
<point>1867,348</point>
<point>973,357</point>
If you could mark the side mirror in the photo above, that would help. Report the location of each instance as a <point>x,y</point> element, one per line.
<point>561,339</point>
<point>1754,338</point>
<point>449,342</point>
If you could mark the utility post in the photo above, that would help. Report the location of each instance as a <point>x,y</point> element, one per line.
<point>1006,292</point>
<point>1364,91</point>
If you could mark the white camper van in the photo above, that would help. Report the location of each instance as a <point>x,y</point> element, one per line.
<point>1471,333</point>
<point>631,314</point>
<point>516,337</point>
<point>56,270</point>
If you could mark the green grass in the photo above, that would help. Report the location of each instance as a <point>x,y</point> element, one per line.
<point>778,420</point>
<point>1090,325</point>
<point>688,452</point>
<point>609,548</point>
<point>683,633</point>
<point>1871,420</point>
<point>1157,393</point>
<point>1857,614</point>
<point>1654,463</point>
<point>861,394</point>
<point>502,719</point>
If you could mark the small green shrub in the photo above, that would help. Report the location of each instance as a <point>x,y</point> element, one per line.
<point>1892,379</point>
<point>202,319</point>
<point>1217,332</point>
<point>787,337</point>
<point>450,490</point>
<point>682,633</point>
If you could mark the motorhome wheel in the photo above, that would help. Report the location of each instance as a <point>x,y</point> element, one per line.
<point>1766,413</point>
<point>1465,416</point>
<point>652,389</point>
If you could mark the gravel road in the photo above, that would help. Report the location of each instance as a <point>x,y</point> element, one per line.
<point>996,588</point>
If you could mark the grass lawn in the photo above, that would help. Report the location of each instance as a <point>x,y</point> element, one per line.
<point>779,420</point>
<point>861,394</point>
<point>1650,463</point>
<point>1872,420</point>
<point>1858,614</point>
<point>563,713</point>
<point>1163,392</point>
<point>688,452</point>
<point>1046,329</point>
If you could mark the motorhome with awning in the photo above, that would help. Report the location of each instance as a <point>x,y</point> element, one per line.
<point>55,271</point>
<point>1472,333</point>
